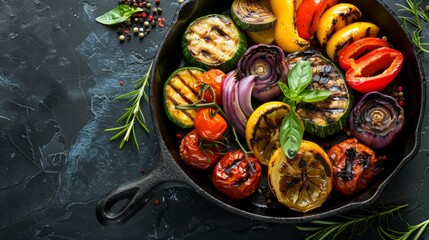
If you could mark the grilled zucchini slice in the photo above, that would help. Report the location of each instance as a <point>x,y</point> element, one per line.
<point>213,41</point>
<point>180,89</point>
<point>251,15</point>
<point>327,117</point>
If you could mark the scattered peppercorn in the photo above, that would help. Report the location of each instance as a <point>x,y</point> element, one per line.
<point>139,22</point>
<point>121,83</point>
<point>179,136</point>
<point>156,201</point>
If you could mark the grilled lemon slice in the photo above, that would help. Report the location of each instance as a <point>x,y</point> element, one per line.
<point>263,128</point>
<point>304,182</point>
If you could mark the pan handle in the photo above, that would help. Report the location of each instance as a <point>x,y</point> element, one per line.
<point>136,193</point>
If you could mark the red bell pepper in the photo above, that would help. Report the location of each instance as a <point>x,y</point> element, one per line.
<point>359,48</point>
<point>308,15</point>
<point>375,70</point>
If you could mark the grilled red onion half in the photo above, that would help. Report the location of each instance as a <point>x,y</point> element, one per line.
<point>236,99</point>
<point>376,120</point>
<point>268,62</point>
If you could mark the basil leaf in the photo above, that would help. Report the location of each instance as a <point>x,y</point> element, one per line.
<point>117,15</point>
<point>291,133</point>
<point>284,89</point>
<point>314,95</point>
<point>300,77</point>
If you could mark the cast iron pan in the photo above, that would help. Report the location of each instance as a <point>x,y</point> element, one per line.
<point>171,171</point>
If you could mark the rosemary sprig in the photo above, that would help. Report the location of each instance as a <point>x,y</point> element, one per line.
<point>398,235</point>
<point>134,113</point>
<point>419,21</point>
<point>355,222</point>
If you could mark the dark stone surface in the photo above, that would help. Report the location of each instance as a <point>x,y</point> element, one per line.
<point>59,73</point>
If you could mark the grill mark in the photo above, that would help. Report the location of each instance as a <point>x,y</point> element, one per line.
<point>194,77</point>
<point>258,123</point>
<point>182,95</point>
<point>175,103</point>
<point>220,31</point>
<point>233,165</point>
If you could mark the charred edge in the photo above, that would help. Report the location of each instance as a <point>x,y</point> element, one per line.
<point>258,123</point>
<point>321,160</point>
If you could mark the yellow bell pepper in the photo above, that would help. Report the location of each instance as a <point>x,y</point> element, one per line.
<point>335,18</point>
<point>286,34</point>
<point>347,35</point>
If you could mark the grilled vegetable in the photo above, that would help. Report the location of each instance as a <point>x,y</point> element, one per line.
<point>308,15</point>
<point>354,165</point>
<point>213,41</point>
<point>235,177</point>
<point>263,127</point>
<point>359,48</point>
<point>199,153</point>
<point>304,182</point>
<point>263,36</point>
<point>237,102</point>
<point>180,89</point>
<point>209,124</point>
<point>250,15</point>
<point>348,34</point>
<point>213,78</point>
<point>267,62</point>
<point>335,18</point>
<point>376,120</point>
<point>375,70</point>
<point>323,118</point>
<point>286,33</point>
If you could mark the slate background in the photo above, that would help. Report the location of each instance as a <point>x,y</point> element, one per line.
<point>59,73</point>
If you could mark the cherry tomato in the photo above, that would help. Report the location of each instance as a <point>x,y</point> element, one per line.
<point>214,78</point>
<point>354,165</point>
<point>375,70</point>
<point>234,177</point>
<point>209,124</point>
<point>308,15</point>
<point>192,154</point>
<point>358,49</point>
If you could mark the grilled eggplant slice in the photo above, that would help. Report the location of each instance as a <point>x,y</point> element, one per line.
<point>213,41</point>
<point>251,15</point>
<point>180,89</point>
<point>327,117</point>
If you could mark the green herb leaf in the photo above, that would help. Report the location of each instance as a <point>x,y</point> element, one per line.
<point>285,89</point>
<point>299,77</point>
<point>357,224</point>
<point>291,133</point>
<point>291,130</point>
<point>117,15</point>
<point>418,21</point>
<point>133,115</point>
<point>314,95</point>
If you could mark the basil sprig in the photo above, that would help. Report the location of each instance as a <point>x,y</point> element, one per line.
<point>117,15</point>
<point>292,130</point>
